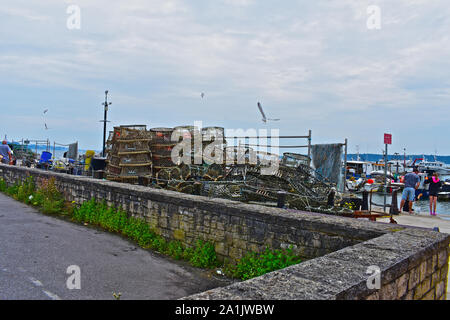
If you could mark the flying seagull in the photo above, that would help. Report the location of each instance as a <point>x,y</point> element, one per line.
<point>45,111</point>
<point>46,128</point>
<point>202,95</point>
<point>264,119</point>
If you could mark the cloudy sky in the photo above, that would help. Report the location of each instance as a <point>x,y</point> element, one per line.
<point>314,64</point>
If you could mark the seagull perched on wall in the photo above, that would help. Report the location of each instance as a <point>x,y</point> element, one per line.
<point>264,119</point>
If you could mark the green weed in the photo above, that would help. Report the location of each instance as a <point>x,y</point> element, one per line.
<point>253,265</point>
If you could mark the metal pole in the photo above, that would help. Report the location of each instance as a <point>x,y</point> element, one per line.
<point>385,177</point>
<point>104,128</point>
<point>344,179</point>
<point>105,104</point>
<point>309,147</point>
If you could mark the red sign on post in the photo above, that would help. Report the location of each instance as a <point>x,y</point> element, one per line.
<point>387,138</point>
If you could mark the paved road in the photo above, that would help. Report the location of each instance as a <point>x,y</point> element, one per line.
<point>36,251</point>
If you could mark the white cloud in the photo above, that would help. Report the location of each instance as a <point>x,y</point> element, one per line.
<point>307,59</point>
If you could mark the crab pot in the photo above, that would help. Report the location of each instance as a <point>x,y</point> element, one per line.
<point>136,145</point>
<point>135,171</point>
<point>161,135</point>
<point>113,170</point>
<point>162,162</point>
<point>187,132</point>
<point>294,159</point>
<point>239,155</point>
<point>130,154</point>
<point>136,159</point>
<point>213,134</point>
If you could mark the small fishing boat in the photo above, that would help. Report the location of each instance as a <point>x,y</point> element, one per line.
<point>443,196</point>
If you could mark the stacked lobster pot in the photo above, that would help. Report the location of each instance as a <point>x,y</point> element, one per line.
<point>213,143</point>
<point>130,156</point>
<point>294,159</point>
<point>161,146</point>
<point>112,161</point>
<point>193,152</point>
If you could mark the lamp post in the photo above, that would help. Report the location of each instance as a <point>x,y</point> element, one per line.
<point>105,104</point>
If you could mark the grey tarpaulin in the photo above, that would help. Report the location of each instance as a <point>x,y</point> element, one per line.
<point>73,151</point>
<point>327,161</point>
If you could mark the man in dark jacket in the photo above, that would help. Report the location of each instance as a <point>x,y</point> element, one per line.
<point>412,182</point>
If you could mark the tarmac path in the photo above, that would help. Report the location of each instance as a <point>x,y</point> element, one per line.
<point>37,252</point>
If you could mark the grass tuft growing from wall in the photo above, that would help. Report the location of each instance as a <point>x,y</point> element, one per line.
<point>256,264</point>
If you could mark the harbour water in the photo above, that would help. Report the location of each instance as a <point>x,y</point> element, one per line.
<point>422,206</point>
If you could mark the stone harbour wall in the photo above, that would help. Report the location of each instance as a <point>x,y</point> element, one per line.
<point>413,262</point>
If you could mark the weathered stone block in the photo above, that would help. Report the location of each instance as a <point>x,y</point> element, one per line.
<point>440,289</point>
<point>409,295</point>
<point>389,291</point>
<point>423,271</point>
<point>422,288</point>
<point>402,285</point>
<point>444,272</point>
<point>435,278</point>
<point>179,235</point>
<point>235,253</point>
<point>429,295</point>
<point>429,269</point>
<point>442,258</point>
<point>374,296</point>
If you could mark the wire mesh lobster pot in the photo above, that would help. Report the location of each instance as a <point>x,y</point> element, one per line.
<point>266,158</point>
<point>240,155</point>
<point>130,155</point>
<point>161,135</point>
<point>113,170</point>
<point>133,128</point>
<point>109,142</point>
<point>136,159</point>
<point>133,146</point>
<point>131,174</point>
<point>161,147</point>
<point>294,159</point>
<point>187,134</point>
<point>210,134</point>
<point>114,160</point>
<point>162,162</point>
<point>213,143</point>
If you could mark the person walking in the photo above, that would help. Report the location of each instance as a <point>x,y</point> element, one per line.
<point>5,153</point>
<point>435,187</point>
<point>412,183</point>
